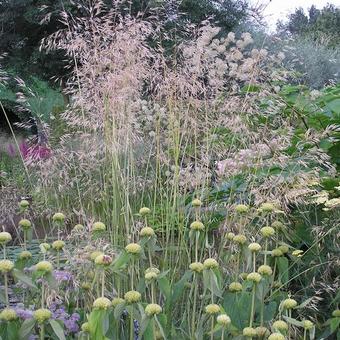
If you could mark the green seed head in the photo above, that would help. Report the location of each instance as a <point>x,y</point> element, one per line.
<point>25,255</point>
<point>153,309</point>
<point>78,228</point>
<point>289,304</point>
<point>336,313</point>
<point>280,325</point>
<point>44,266</point>
<point>25,224</point>
<point>98,226</point>
<point>58,245</point>
<point>58,217</point>
<point>196,203</point>
<point>196,267</point>
<point>212,309</point>
<point>254,247</point>
<point>152,270</point>
<point>262,332</point>
<point>5,237</point>
<point>102,303</point>
<point>24,204</point>
<point>147,232</point>
<point>223,320</point>
<point>297,253</point>
<point>86,286</point>
<point>284,249</point>
<point>255,277</point>
<point>235,287</point>
<point>277,225</point>
<point>6,266</point>
<point>267,207</point>
<point>144,211</point>
<point>210,263</point>
<point>45,246</point>
<point>103,260</point>
<point>197,226</point>
<point>133,248</point>
<point>276,336</point>
<point>8,314</point>
<point>241,208</point>
<point>307,324</point>
<point>42,315</point>
<point>277,252</point>
<point>150,276</point>
<point>85,327</point>
<point>267,231</point>
<point>117,301</point>
<point>265,270</point>
<point>249,332</point>
<point>230,236</point>
<point>95,254</point>
<point>240,239</point>
<point>132,296</point>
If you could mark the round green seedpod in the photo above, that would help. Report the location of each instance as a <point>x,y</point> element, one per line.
<point>144,211</point>
<point>44,266</point>
<point>78,228</point>
<point>277,252</point>
<point>267,231</point>
<point>24,204</point>
<point>249,332</point>
<point>240,239</point>
<point>117,301</point>
<point>132,296</point>
<point>223,320</point>
<point>289,304</point>
<point>276,336</point>
<point>147,232</point>
<point>336,313</point>
<point>58,217</point>
<point>280,325</point>
<point>262,332</point>
<point>230,236</point>
<point>5,237</point>
<point>254,277</point>
<point>58,245</point>
<point>235,287</point>
<point>241,208</point>
<point>6,266</point>
<point>41,315</point>
<point>196,203</point>
<point>85,327</point>
<point>210,264</point>
<point>133,248</point>
<point>8,314</point>
<point>212,309</point>
<point>153,309</point>
<point>25,224</point>
<point>102,303</point>
<point>284,249</point>
<point>307,324</point>
<point>197,226</point>
<point>98,227</point>
<point>265,270</point>
<point>95,254</point>
<point>196,267</point>
<point>103,260</point>
<point>267,207</point>
<point>254,247</point>
<point>25,255</point>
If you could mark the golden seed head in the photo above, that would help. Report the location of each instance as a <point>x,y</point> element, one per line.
<point>196,203</point>
<point>58,217</point>
<point>144,211</point>
<point>44,266</point>
<point>103,260</point>
<point>6,266</point>
<point>153,309</point>
<point>102,303</point>
<point>196,267</point>
<point>223,320</point>
<point>280,325</point>
<point>241,208</point>
<point>197,226</point>
<point>255,277</point>
<point>98,226</point>
<point>265,270</point>
<point>254,247</point>
<point>8,314</point>
<point>240,239</point>
<point>58,245</point>
<point>210,263</point>
<point>212,309</point>
<point>289,304</point>
<point>147,232</point>
<point>117,301</point>
<point>133,248</point>
<point>41,315</point>
<point>5,237</point>
<point>132,296</point>
<point>25,224</point>
<point>276,336</point>
<point>249,332</point>
<point>267,231</point>
<point>235,287</point>
<point>25,255</point>
<point>277,252</point>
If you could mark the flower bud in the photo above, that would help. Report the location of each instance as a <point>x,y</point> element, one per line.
<point>44,266</point>
<point>58,245</point>
<point>58,217</point>
<point>235,287</point>
<point>276,252</point>
<point>254,247</point>
<point>289,304</point>
<point>255,277</point>
<point>265,270</point>
<point>5,237</point>
<point>8,314</point>
<point>95,254</point>
<point>78,228</point>
<point>196,203</point>
<point>117,301</point>
<point>249,332</point>
<point>133,248</point>
<point>284,249</point>
<point>240,239</point>
<point>25,224</point>
<point>223,320</point>
<point>25,255</point>
<point>267,231</point>
<point>42,315</point>
<point>85,327</point>
<point>24,204</point>
<point>102,303</point>
<point>262,332</point>
<point>307,324</point>
<point>103,260</point>
<point>197,226</point>
<point>6,266</point>
<point>276,336</point>
<point>144,211</point>
<point>147,232</point>
<point>297,253</point>
<point>210,263</point>
<point>336,313</point>
<point>280,325</point>
<point>132,296</point>
<point>230,236</point>
<point>241,208</point>
<point>98,226</point>
<point>267,207</point>
<point>196,267</point>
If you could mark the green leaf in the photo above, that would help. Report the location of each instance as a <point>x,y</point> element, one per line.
<point>23,278</point>
<point>282,265</point>
<point>164,286</point>
<point>122,259</point>
<point>293,321</point>
<point>26,328</point>
<point>57,329</point>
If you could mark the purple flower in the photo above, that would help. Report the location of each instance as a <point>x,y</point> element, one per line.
<point>62,275</point>
<point>23,313</point>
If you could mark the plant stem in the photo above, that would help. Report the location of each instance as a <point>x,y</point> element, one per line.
<point>131,326</point>
<point>212,328</point>
<point>103,282</point>
<point>6,289</point>
<point>252,311</point>
<point>194,307</point>
<point>42,331</point>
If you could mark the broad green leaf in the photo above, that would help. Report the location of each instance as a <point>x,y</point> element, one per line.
<point>23,278</point>
<point>26,328</point>
<point>57,329</point>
